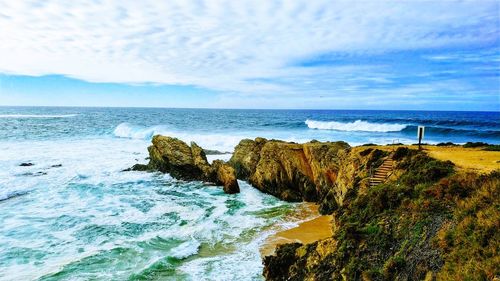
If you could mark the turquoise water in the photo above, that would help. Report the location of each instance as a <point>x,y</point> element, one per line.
<point>87,220</point>
<point>74,215</point>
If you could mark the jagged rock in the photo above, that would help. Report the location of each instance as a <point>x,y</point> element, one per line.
<point>137,167</point>
<point>246,156</point>
<point>226,176</point>
<point>277,266</point>
<point>290,171</point>
<point>200,161</point>
<point>173,156</point>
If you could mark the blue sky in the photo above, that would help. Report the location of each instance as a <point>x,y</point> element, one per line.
<point>429,55</point>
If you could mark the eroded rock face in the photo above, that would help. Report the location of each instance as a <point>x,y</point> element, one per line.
<point>171,155</point>
<point>246,156</point>
<point>290,171</point>
<point>226,176</point>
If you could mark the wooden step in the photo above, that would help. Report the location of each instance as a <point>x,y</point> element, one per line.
<point>383,169</point>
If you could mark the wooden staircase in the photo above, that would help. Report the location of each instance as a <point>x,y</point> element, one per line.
<point>383,172</point>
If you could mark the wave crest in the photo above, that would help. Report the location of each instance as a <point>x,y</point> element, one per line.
<point>126,130</point>
<point>357,125</point>
<point>214,141</point>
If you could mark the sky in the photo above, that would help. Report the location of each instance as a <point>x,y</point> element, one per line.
<point>416,55</point>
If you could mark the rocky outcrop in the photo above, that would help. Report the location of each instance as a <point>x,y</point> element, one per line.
<point>173,156</point>
<point>226,176</point>
<point>246,156</point>
<point>290,171</point>
<point>321,172</point>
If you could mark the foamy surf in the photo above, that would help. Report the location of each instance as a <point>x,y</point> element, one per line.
<point>220,142</point>
<point>127,130</point>
<point>358,125</point>
<point>186,249</point>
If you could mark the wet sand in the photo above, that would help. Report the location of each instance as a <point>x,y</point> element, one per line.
<point>308,231</point>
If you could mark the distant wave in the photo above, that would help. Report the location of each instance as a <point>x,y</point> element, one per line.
<point>221,142</point>
<point>357,125</point>
<point>36,116</point>
<point>127,130</point>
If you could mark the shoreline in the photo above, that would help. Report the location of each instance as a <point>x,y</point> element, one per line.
<point>311,229</point>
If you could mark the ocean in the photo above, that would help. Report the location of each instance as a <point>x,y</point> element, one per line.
<point>74,215</point>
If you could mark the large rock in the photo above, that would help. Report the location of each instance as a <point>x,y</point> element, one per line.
<point>290,171</point>
<point>246,156</point>
<point>171,155</point>
<point>226,177</point>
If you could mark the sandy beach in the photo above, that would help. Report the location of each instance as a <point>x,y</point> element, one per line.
<point>306,232</point>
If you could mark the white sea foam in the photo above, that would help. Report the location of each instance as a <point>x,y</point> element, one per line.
<point>221,142</point>
<point>37,115</point>
<point>357,125</point>
<point>89,195</point>
<point>186,249</point>
<point>126,130</point>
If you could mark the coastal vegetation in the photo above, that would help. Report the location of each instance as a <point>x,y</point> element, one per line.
<point>432,222</point>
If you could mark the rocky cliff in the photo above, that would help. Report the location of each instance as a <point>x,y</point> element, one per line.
<point>427,222</point>
<point>321,172</point>
<point>171,155</point>
<point>290,171</point>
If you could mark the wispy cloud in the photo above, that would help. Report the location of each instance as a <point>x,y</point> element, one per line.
<point>244,47</point>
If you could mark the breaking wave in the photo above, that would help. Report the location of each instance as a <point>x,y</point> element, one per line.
<point>126,130</point>
<point>357,125</point>
<point>221,142</point>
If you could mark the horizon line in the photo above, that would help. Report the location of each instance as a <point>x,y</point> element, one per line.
<point>220,108</point>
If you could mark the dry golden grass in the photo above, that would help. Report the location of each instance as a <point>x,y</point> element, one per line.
<point>467,158</point>
<point>464,158</point>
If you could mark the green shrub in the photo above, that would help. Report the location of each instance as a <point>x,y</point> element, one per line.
<point>474,144</point>
<point>492,147</point>
<point>365,152</point>
<point>446,144</point>
<point>402,152</point>
<point>422,169</point>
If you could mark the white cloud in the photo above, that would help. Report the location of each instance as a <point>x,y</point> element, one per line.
<point>226,45</point>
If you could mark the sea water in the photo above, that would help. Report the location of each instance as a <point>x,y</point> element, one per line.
<point>74,215</point>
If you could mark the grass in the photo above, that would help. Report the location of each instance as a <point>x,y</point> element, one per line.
<point>454,217</point>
